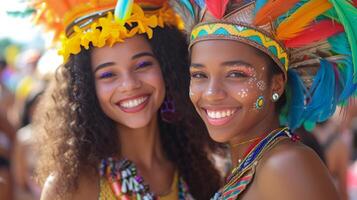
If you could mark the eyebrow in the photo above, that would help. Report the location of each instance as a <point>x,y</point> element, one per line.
<point>103,65</point>
<point>225,64</point>
<point>136,56</point>
<point>236,62</point>
<point>196,65</point>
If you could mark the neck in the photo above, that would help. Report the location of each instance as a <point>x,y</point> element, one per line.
<point>260,130</point>
<point>141,146</point>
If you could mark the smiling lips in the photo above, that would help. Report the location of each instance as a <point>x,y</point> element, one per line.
<point>220,117</point>
<point>135,104</point>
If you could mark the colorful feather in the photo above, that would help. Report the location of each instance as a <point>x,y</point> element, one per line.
<point>123,10</point>
<point>295,97</point>
<point>317,32</point>
<point>272,10</point>
<point>200,3</point>
<point>185,13</point>
<point>339,45</point>
<point>217,7</point>
<point>303,16</point>
<point>188,6</point>
<point>347,15</point>
<point>259,4</point>
<point>319,109</point>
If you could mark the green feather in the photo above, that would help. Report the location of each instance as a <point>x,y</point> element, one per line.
<point>22,14</point>
<point>347,16</point>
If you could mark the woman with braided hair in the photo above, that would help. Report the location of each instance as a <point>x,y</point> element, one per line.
<point>114,123</point>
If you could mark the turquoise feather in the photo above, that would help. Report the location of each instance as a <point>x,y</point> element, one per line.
<point>319,109</point>
<point>347,15</point>
<point>123,10</point>
<point>259,5</point>
<point>200,3</point>
<point>295,99</point>
<point>188,6</point>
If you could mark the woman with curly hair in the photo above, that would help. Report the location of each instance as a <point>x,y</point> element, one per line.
<point>115,124</point>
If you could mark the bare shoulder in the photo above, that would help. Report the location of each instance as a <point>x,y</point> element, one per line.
<point>294,171</point>
<point>88,188</point>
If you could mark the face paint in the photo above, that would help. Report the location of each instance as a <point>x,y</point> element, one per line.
<point>243,93</point>
<point>259,103</point>
<point>261,85</point>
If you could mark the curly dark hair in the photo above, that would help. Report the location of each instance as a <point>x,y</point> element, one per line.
<point>76,133</point>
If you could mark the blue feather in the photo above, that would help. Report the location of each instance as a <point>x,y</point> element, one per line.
<point>295,99</point>
<point>319,109</point>
<point>200,3</point>
<point>259,5</point>
<point>339,45</point>
<point>189,6</point>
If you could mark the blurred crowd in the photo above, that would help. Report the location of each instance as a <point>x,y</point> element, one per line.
<point>21,87</point>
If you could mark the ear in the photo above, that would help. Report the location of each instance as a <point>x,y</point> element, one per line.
<point>278,84</point>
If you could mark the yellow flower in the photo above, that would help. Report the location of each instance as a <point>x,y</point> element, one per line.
<point>90,36</point>
<point>106,31</point>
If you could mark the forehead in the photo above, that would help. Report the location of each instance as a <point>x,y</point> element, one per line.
<point>121,50</point>
<point>214,51</point>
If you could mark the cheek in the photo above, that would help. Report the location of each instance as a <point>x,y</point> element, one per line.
<point>155,79</point>
<point>104,91</point>
<point>195,91</point>
<point>248,95</point>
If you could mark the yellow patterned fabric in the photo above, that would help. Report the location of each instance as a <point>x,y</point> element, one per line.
<point>106,192</point>
<point>242,33</point>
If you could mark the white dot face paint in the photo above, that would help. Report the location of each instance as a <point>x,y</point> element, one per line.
<point>261,85</point>
<point>243,92</point>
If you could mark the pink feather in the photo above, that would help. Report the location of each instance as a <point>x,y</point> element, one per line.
<point>217,7</point>
<point>316,32</point>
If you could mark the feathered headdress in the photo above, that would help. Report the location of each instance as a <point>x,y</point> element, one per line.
<point>79,23</point>
<point>314,42</point>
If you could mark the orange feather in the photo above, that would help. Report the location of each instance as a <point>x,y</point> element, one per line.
<point>299,20</point>
<point>272,10</point>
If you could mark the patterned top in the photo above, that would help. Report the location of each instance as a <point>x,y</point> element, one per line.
<point>243,174</point>
<point>178,191</point>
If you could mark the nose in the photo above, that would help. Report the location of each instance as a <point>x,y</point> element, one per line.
<point>129,82</point>
<point>214,91</point>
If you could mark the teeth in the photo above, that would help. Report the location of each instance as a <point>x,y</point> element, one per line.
<point>133,102</point>
<point>220,114</point>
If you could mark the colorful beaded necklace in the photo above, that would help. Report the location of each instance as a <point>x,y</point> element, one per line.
<point>126,183</point>
<point>243,174</point>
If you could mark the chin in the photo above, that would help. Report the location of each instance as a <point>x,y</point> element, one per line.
<point>135,123</point>
<point>219,137</point>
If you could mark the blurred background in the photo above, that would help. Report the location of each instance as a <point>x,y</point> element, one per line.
<point>28,62</point>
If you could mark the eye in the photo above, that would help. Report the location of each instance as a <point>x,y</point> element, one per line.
<point>237,74</point>
<point>143,64</point>
<point>106,75</point>
<point>198,75</point>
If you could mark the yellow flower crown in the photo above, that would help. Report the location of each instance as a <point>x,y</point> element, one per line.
<point>107,31</point>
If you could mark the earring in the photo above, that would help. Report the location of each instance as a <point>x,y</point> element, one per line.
<point>275,97</point>
<point>168,110</point>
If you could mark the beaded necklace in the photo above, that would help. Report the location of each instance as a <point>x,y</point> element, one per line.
<point>243,174</point>
<point>126,183</point>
